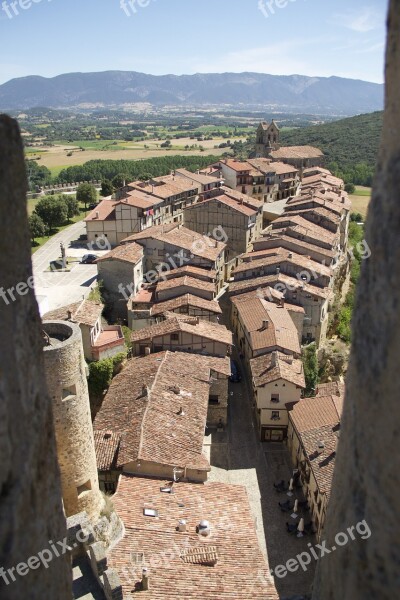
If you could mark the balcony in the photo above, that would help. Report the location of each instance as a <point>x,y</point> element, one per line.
<point>109,342</point>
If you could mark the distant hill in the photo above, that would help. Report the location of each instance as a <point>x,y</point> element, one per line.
<point>297,93</point>
<point>346,142</point>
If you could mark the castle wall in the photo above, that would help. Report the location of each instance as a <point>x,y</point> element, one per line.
<point>66,381</point>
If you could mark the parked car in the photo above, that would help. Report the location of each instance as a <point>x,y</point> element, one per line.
<point>88,259</point>
<point>235,376</point>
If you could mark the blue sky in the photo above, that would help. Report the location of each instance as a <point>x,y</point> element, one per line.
<point>307,37</point>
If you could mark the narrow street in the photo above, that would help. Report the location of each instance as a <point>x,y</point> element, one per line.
<point>238,457</point>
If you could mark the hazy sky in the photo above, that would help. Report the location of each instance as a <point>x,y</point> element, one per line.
<point>308,37</point>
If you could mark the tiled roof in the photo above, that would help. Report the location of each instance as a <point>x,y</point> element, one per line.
<point>147,422</point>
<point>130,253</point>
<point>191,270</point>
<point>197,177</point>
<point>322,463</point>
<point>265,165</point>
<point>205,329</point>
<point>320,211</point>
<point>246,285</point>
<point>240,570</point>
<point>313,413</point>
<point>166,186</point>
<point>237,165</point>
<point>296,152</point>
<point>245,198</point>
<point>106,445</point>
<point>286,241</point>
<point>191,282</point>
<point>104,211</point>
<point>304,227</point>
<point>318,420</point>
<point>140,199</point>
<point>234,204</point>
<point>281,331</point>
<point>85,312</point>
<point>185,300</point>
<point>271,367</point>
<point>282,256</point>
<point>181,237</point>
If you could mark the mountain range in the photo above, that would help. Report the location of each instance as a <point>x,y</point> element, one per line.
<point>293,93</point>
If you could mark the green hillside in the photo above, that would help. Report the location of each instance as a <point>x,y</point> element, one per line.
<point>350,145</point>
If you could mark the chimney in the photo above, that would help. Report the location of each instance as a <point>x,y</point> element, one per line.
<point>69,313</point>
<point>290,254</point>
<point>278,270</point>
<point>320,447</point>
<point>181,412</point>
<point>182,526</point>
<point>282,302</point>
<point>265,324</point>
<point>97,214</point>
<point>274,360</point>
<point>145,580</point>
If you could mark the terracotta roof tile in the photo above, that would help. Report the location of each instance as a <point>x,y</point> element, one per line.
<point>204,329</point>
<point>191,282</point>
<point>240,570</point>
<point>185,300</point>
<point>281,331</point>
<point>85,312</point>
<point>147,422</point>
<point>130,253</point>
<point>271,367</point>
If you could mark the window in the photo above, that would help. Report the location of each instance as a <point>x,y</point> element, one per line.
<point>68,392</point>
<point>213,400</point>
<point>275,398</point>
<point>84,488</point>
<point>174,337</point>
<point>275,415</point>
<point>109,487</point>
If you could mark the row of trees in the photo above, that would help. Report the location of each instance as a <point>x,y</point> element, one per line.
<point>53,211</point>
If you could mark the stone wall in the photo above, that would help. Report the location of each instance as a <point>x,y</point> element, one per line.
<point>31,511</point>
<point>366,482</point>
<point>66,380</point>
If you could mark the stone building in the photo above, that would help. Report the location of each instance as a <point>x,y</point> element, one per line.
<point>65,371</point>
<point>154,414</point>
<point>278,379</point>
<point>169,247</point>
<point>189,334</point>
<point>239,214</point>
<point>140,205</point>
<point>99,341</point>
<point>312,438</point>
<point>268,146</point>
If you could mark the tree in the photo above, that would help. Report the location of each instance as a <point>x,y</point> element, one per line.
<point>120,180</point>
<point>310,364</point>
<point>72,205</point>
<point>86,193</point>
<point>36,227</point>
<point>52,210</point>
<point>107,188</point>
<point>350,188</point>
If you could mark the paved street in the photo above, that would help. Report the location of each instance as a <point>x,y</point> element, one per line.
<point>63,288</point>
<point>239,457</point>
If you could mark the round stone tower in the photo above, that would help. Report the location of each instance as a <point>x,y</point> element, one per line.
<point>66,381</point>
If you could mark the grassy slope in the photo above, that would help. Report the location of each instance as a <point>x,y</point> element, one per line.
<point>347,142</point>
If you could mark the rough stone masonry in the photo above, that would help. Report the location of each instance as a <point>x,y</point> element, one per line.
<point>366,483</point>
<point>31,511</point>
